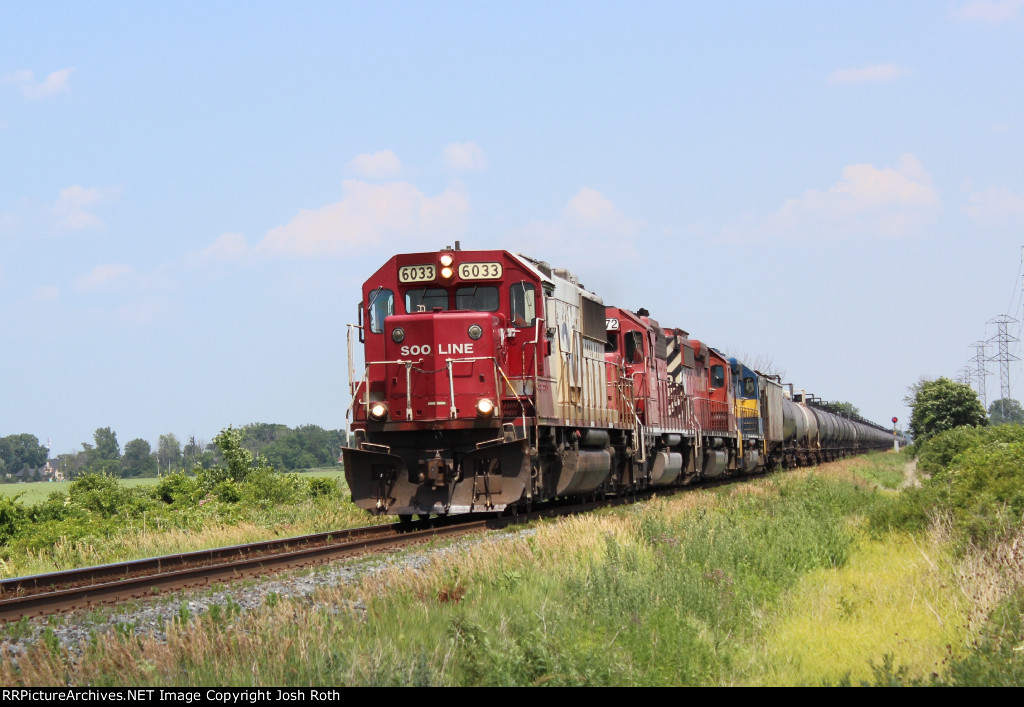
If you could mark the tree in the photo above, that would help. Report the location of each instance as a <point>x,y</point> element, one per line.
<point>940,405</point>
<point>847,409</point>
<point>168,451</point>
<point>22,451</point>
<point>1006,411</point>
<point>138,459</point>
<point>106,455</point>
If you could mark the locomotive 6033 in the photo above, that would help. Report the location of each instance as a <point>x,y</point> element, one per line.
<point>493,380</point>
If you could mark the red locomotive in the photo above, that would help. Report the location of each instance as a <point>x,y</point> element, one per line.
<point>496,381</point>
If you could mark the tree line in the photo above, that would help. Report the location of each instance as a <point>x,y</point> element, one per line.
<point>22,457</point>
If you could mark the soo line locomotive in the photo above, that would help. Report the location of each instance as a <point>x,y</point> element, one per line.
<point>493,382</point>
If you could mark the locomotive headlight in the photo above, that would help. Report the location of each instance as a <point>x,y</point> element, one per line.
<point>485,408</point>
<point>398,335</point>
<point>446,260</point>
<point>378,411</point>
<point>447,273</point>
<point>475,332</point>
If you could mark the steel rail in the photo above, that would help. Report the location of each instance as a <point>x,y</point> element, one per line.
<point>55,592</point>
<point>105,584</point>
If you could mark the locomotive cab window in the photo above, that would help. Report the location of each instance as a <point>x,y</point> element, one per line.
<point>749,388</point>
<point>612,344</point>
<point>717,376</point>
<point>634,347</point>
<point>426,299</point>
<point>478,299</point>
<point>382,304</point>
<point>523,307</point>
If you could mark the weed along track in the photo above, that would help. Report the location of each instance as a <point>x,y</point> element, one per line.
<point>52,593</point>
<point>39,595</point>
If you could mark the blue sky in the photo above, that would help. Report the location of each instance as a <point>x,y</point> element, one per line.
<point>191,193</point>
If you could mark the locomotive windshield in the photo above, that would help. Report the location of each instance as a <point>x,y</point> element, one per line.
<point>426,300</point>
<point>476,298</point>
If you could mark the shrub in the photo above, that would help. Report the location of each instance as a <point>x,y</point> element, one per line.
<point>178,488</point>
<point>986,489</point>
<point>12,518</point>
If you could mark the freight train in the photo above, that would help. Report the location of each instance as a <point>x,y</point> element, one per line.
<point>493,382</point>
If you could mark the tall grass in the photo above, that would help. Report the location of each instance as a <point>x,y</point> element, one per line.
<point>672,592</point>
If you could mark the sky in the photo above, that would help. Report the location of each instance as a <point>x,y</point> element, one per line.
<point>191,193</point>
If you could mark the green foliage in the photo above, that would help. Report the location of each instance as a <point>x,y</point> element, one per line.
<point>935,455</point>
<point>103,495</point>
<point>304,447</point>
<point>238,461</point>
<point>168,452</point>
<point>21,451</point>
<point>975,478</point>
<point>138,459</point>
<point>1006,411</point>
<point>941,405</point>
<point>986,489</point>
<point>179,488</point>
<point>847,408</point>
<point>105,457</point>
<point>12,518</point>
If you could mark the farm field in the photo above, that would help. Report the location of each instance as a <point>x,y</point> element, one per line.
<point>38,491</point>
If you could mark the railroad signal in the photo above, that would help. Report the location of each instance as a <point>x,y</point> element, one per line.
<point>894,420</point>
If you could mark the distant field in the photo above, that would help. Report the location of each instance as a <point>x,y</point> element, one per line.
<point>37,491</point>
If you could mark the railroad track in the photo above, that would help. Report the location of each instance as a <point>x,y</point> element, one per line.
<point>56,592</point>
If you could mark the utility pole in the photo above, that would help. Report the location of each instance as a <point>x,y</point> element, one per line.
<point>1004,338</point>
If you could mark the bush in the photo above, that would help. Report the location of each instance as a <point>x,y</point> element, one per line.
<point>986,489</point>
<point>104,495</point>
<point>12,518</point>
<point>178,488</point>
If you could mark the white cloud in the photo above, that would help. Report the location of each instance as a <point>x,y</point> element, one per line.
<point>380,165</point>
<point>103,277</point>
<point>867,201</point>
<point>46,294</point>
<point>590,232</point>
<point>54,83</point>
<point>995,205</point>
<point>70,210</point>
<point>227,246</point>
<point>988,11</point>
<point>464,156</point>
<point>878,72</point>
<point>395,215</point>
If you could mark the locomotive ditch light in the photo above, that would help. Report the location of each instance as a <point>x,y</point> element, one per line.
<point>475,332</point>
<point>378,411</point>
<point>485,408</point>
<point>398,335</point>
<point>446,260</point>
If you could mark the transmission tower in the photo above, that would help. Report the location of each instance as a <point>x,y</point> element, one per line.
<point>980,375</point>
<point>966,374</point>
<point>1004,338</point>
